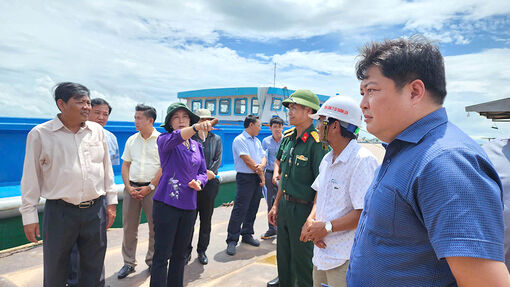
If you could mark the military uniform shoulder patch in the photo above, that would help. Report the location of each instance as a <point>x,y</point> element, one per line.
<point>289,132</point>
<point>315,136</point>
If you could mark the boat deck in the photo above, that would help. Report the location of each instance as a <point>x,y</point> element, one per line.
<point>251,266</point>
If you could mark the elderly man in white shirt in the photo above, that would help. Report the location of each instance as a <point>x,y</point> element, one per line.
<point>67,162</point>
<point>344,176</point>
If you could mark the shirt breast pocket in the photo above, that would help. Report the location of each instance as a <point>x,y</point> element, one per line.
<point>381,212</point>
<point>95,151</point>
<point>301,161</point>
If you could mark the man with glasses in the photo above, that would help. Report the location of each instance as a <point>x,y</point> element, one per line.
<point>345,174</point>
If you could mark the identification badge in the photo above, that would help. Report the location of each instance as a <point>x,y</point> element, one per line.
<point>302,157</point>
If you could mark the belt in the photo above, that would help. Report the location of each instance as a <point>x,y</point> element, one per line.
<point>269,171</point>
<point>84,204</point>
<point>138,184</point>
<point>297,200</point>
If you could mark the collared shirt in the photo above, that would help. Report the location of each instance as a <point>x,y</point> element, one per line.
<point>143,155</point>
<point>213,150</point>
<point>113,147</point>
<point>60,164</point>
<point>498,151</point>
<point>244,144</point>
<point>180,165</point>
<point>300,158</point>
<point>341,187</point>
<point>271,147</point>
<point>436,195</point>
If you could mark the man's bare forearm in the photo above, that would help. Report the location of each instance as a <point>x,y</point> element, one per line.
<point>155,179</point>
<point>249,162</point>
<point>125,173</point>
<point>470,271</point>
<point>348,221</point>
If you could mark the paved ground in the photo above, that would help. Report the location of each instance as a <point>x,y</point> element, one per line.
<point>251,266</point>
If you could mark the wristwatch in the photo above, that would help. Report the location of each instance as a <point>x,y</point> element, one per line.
<point>151,186</point>
<point>329,227</point>
<point>194,128</point>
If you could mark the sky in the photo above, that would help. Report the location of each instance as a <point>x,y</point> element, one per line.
<point>131,52</point>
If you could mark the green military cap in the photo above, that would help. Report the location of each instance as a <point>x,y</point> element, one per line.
<point>176,106</point>
<point>303,97</point>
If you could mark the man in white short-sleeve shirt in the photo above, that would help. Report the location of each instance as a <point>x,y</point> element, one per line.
<point>141,170</point>
<point>344,176</point>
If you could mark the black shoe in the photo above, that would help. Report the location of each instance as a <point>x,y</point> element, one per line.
<point>188,259</point>
<point>274,283</point>
<point>202,258</point>
<point>231,248</point>
<point>270,233</point>
<point>125,271</point>
<point>250,240</point>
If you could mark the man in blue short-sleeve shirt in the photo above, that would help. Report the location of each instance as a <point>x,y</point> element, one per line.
<point>434,214</point>
<point>249,162</point>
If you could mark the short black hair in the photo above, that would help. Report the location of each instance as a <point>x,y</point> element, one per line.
<point>100,101</point>
<point>276,120</point>
<point>66,90</point>
<point>343,131</point>
<point>148,111</point>
<point>405,60</point>
<point>250,119</point>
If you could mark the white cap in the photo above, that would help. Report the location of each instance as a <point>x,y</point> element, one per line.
<point>341,108</point>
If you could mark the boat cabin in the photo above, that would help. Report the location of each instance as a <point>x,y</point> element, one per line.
<point>234,104</point>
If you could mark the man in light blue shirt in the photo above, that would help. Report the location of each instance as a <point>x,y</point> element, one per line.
<point>433,215</point>
<point>271,144</point>
<point>113,147</point>
<point>498,151</point>
<point>100,113</point>
<point>249,163</point>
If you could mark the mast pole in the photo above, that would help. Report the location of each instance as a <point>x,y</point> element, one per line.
<point>274,76</point>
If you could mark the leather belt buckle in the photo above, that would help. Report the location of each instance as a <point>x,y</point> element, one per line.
<point>86,204</point>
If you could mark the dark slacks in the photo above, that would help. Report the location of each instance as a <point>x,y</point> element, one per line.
<point>294,257</point>
<point>205,209</point>
<point>172,231</point>
<point>272,190</point>
<point>246,205</point>
<point>74,265</point>
<point>63,226</point>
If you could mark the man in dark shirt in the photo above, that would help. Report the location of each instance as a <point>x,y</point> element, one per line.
<point>205,199</point>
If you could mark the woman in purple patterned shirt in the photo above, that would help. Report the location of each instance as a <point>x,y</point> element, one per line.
<point>184,174</point>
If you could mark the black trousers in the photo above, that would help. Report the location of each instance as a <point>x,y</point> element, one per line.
<point>64,226</point>
<point>74,266</point>
<point>172,231</point>
<point>246,205</point>
<point>205,209</point>
<point>272,190</point>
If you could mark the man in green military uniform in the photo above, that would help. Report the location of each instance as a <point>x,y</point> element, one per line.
<point>299,157</point>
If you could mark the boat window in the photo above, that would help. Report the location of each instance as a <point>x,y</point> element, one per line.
<point>276,105</point>
<point>255,106</point>
<point>196,105</point>
<point>240,106</point>
<point>224,107</point>
<point>211,106</point>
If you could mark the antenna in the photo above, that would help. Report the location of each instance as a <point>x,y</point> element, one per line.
<point>274,77</point>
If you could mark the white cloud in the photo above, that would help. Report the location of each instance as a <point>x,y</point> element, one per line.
<point>132,52</point>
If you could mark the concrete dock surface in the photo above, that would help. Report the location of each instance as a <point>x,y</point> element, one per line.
<point>250,266</point>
